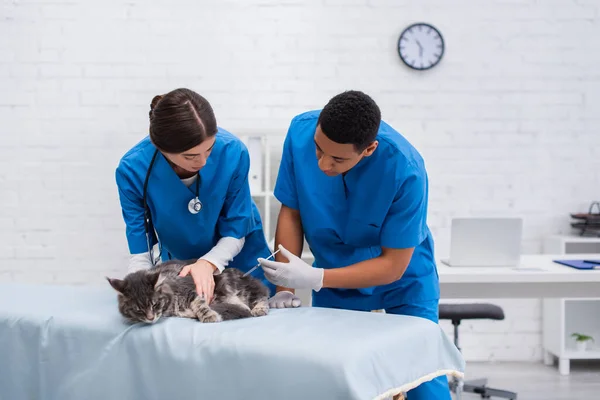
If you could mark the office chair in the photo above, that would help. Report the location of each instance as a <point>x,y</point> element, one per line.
<point>456,313</point>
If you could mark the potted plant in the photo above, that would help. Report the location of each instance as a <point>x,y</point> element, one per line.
<point>582,340</point>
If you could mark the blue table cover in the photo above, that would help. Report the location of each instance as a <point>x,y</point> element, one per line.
<point>70,343</point>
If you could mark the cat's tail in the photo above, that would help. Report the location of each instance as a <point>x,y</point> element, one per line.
<point>231,311</point>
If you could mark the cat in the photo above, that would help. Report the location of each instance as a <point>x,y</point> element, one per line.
<point>147,295</point>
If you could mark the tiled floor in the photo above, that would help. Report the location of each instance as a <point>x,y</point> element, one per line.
<point>535,381</point>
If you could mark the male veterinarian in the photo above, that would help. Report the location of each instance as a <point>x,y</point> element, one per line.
<point>358,191</point>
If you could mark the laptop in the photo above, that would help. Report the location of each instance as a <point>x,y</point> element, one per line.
<point>485,242</point>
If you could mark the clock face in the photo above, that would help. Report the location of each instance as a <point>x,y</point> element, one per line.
<point>421,46</point>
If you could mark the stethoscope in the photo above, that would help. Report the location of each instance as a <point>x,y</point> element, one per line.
<point>194,207</point>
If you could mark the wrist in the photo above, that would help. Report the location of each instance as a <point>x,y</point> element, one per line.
<point>320,283</point>
<point>213,266</point>
<point>284,289</point>
<point>216,268</point>
<point>203,261</point>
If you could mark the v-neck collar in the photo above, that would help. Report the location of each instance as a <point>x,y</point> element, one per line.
<point>164,164</point>
<point>351,178</point>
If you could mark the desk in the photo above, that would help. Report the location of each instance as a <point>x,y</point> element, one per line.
<point>537,276</point>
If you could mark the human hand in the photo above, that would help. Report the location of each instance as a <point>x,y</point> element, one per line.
<point>295,274</point>
<point>284,299</point>
<point>202,273</point>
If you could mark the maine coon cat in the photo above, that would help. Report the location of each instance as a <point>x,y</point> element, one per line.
<point>147,295</point>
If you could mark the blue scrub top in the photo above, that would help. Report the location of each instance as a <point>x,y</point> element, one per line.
<point>228,208</point>
<point>382,201</point>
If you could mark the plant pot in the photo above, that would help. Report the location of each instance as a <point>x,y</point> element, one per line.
<point>582,346</point>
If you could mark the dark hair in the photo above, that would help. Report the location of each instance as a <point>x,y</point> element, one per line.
<point>180,120</point>
<point>351,117</point>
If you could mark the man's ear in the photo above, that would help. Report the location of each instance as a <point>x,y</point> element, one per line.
<point>117,284</point>
<point>370,148</point>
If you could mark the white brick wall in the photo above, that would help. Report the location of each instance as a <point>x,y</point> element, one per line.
<point>507,122</point>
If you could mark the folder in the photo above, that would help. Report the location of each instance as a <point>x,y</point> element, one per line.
<point>580,264</point>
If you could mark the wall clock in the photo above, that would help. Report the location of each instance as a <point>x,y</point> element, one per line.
<point>421,46</point>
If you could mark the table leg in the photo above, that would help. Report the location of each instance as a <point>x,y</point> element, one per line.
<point>563,366</point>
<point>548,358</point>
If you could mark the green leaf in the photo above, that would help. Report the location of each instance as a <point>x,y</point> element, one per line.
<point>579,337</point>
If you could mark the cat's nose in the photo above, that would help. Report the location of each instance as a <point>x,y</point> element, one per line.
<point>150,315</point>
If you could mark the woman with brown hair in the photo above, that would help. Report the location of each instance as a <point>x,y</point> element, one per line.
<point>185,188</point>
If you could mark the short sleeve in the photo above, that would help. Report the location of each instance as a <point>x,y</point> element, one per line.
<point>132,208</point>
<point>405,225</point>
<point>285,186</point>
<point>236,219</point>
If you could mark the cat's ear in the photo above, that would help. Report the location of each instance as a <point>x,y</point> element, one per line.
<point>160,278</point>
<point>152,278</point>
<point>117,284</point>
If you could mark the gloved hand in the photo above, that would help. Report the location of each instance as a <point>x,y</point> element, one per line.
<point>284,299</point>
<point>295,274</point>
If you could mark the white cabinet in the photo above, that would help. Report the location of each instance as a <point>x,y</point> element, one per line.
<point>261,150</point>
<point>564,316</point>
<point>265,156</point>
<point>571,244</point>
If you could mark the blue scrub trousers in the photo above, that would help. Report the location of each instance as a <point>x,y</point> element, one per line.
<point>436,389</point>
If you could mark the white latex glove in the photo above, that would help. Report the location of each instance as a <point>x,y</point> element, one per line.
<point>284,299</point>
<point>295,274</point>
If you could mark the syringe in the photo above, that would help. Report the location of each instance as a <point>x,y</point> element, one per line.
<point>258,265</point>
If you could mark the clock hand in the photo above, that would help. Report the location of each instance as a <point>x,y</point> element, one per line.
<point>420,48</point>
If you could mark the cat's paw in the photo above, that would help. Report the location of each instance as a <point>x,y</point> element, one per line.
<point>210,316</point>
<point>260,310</point>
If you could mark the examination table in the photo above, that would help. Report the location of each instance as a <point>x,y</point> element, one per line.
<point>70,343</point>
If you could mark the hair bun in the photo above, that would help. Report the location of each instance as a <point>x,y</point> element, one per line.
<point>154,102</point>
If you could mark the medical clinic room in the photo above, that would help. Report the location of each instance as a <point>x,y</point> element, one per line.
<point>299,200</point>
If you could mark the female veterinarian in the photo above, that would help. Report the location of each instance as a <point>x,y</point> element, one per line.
<point>358,191</point>
<point>186,188</point>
